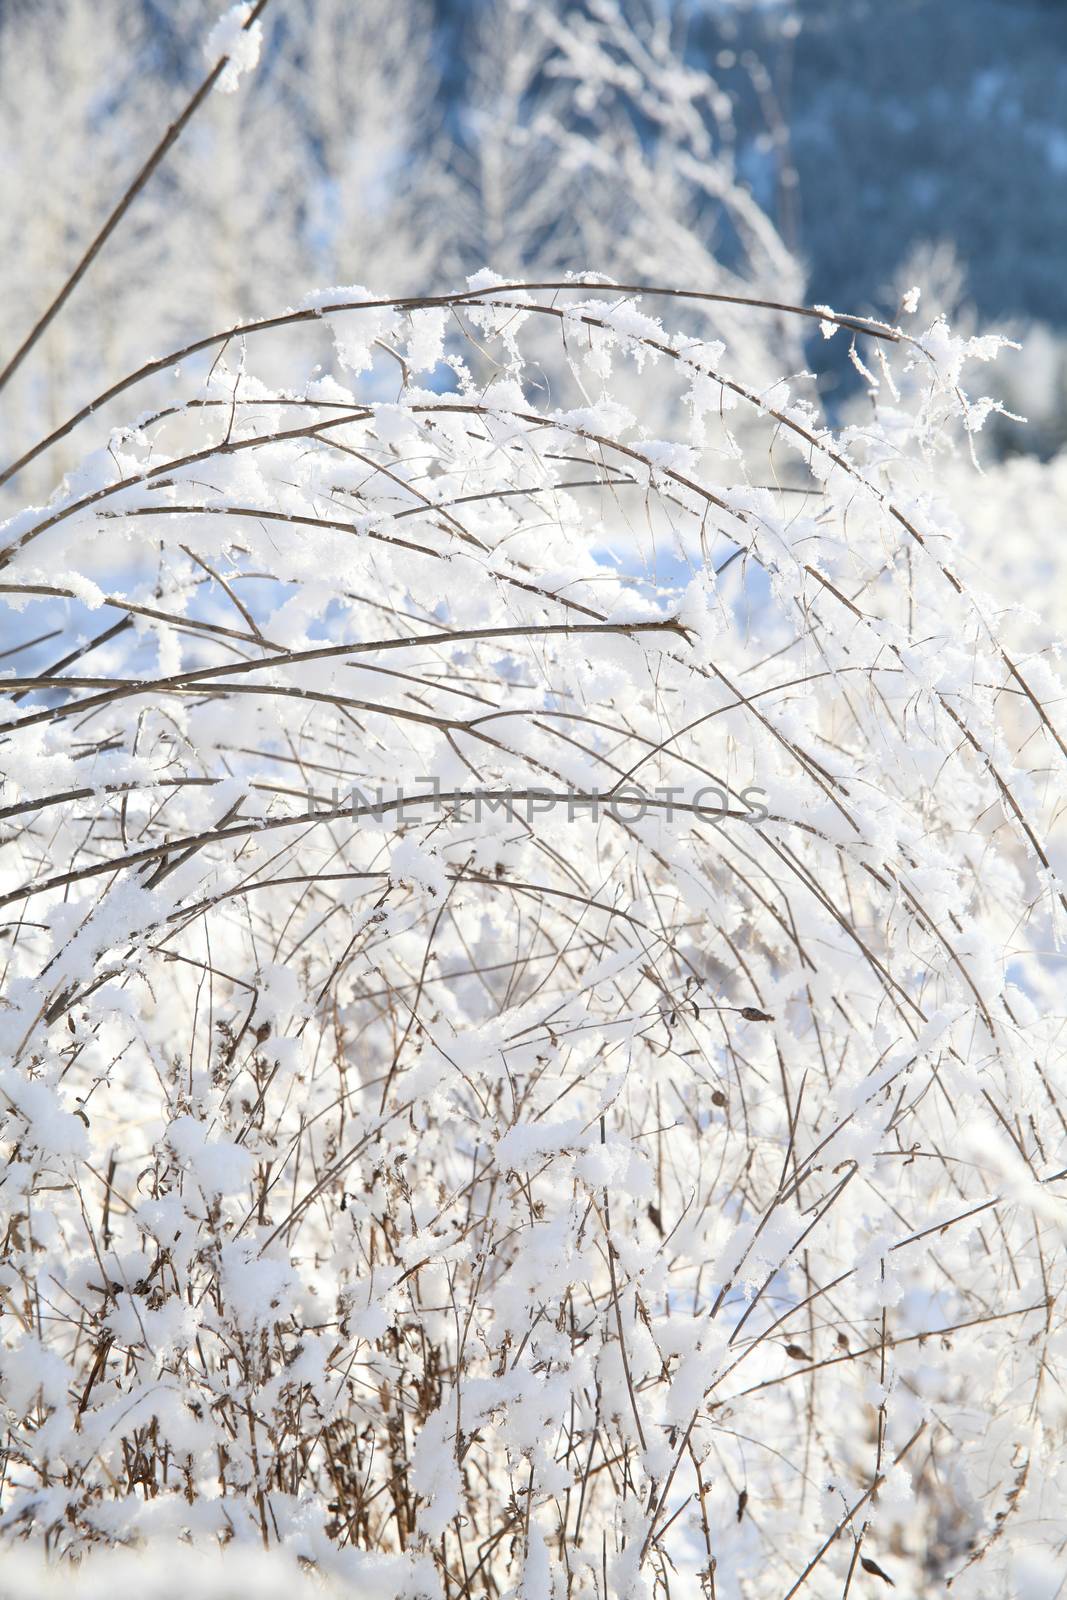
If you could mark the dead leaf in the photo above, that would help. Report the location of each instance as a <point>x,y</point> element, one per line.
<point>872,1567</point>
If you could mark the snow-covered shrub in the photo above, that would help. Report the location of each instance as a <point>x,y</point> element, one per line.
<point>530,1030</point>
<point>528,1005</point>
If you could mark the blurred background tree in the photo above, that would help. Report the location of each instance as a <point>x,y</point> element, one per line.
<point>835,149</point>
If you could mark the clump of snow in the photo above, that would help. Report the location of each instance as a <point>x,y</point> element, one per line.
<point>233,38</point>
<point>355,332</point>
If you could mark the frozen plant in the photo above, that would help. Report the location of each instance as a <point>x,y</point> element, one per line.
<point>460,1196</point>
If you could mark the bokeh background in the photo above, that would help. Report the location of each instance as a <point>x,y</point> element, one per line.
<point>835,151</point>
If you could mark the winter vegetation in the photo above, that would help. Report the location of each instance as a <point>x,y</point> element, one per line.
<point>532,872</point>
